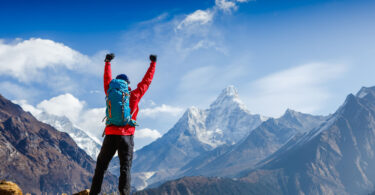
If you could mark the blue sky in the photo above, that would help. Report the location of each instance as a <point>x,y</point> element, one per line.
<point>304,55</point>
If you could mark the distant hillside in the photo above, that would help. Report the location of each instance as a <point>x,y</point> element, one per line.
<point>208,186</point>
<point>337,157</point>
<point>41,159</point>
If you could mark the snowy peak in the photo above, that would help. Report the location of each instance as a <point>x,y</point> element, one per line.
<point>191,116</point>
<point>365,91</point>
<point>225,122</point>
<point>228,97</point>
<point>88,143</point>
<point>230,91</point>
<point>192,112</point>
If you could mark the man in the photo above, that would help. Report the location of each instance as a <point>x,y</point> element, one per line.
<point>120,138</point>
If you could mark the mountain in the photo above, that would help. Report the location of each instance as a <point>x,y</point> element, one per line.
<point>202,185</point>
<point>225,122</point>
<point>63,124</point>
<point>336,157</point>
<point>41,159</point>
<point>260,143</point>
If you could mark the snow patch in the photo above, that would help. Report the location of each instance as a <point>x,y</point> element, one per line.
<point>144,176</point>
<point>363,92</point>
<point>63,124</point>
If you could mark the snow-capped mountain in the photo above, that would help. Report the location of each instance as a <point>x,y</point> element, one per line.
<point>225,122</point>
<point>260,143</point>
<point>89,144</point>
<point>335,158</point>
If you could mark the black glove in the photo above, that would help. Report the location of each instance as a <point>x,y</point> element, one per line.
<point>153,57</point>
<point>109,57</point>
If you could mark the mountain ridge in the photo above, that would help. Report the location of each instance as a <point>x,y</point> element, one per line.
<point>261,142</point>
<point>225,122</point>
<point>41,159</point>
<point>338,152</point>
<point>63,124</point>
<point>333,158</point>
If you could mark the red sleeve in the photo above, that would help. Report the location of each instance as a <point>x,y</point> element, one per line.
<point>145,83</point>
<point>107,76</point>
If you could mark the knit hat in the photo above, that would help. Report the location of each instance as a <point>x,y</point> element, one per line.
<point>123,77</point>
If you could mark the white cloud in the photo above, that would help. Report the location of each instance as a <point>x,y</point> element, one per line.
<point>302,88</point>
<point>161,110</point>
<point>199,17</point>
<point>91,120</point>
<point>225,5</point>
<point>63,105</point>
<point>25,59</point>
<point>202,17</point>
<point>147,133</point>
<point>143,137</point>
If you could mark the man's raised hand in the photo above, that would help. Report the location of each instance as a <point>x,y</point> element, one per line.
<point>109,57</point>
<point>153,57</point>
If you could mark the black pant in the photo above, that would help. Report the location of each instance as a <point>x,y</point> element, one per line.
<point>124,145</point>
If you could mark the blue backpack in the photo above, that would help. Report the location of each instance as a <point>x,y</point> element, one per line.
<point>118,110</point>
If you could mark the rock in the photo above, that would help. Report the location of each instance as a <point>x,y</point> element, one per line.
<point>9,188</point>
<point>84,192</point>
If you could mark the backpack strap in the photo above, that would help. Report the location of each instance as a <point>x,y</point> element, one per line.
<point>122,107</point>
<point>134,110</point>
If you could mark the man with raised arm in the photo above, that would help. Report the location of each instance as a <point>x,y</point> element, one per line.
<point>121,113</point>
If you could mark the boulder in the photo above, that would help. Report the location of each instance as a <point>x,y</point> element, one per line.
<point>84,192</point>
<point>9,188</point>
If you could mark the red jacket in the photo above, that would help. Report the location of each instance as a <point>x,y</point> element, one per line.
<point>135,97</point>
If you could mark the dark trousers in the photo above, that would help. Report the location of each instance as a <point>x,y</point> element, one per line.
<point>123,144</point>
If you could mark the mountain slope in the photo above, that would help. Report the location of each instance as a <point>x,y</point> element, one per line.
<point>40,158</point>
<point>261,142</point>
<point>202,185</point>
<point>63,124</point>
<point>198,131</point>
<point>337,158</point>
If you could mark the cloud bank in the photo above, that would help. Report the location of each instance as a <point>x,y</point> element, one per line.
<point>25,60</point>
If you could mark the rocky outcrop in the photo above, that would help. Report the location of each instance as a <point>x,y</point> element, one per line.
<point>84,192</point>
<point>9,188</point>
